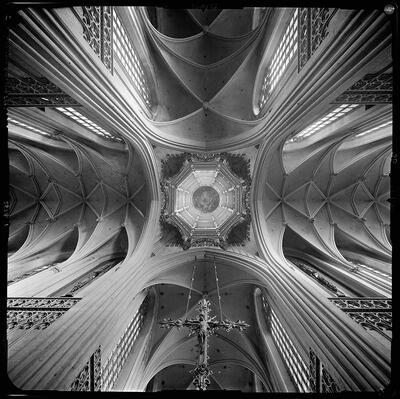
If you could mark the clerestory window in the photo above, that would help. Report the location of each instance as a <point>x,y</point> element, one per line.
<point>297,368</point>
<point>87,123</point>
<point>128,57</point>
<point>25,126</point>
<point>323,122</point>
<point>283,54</point>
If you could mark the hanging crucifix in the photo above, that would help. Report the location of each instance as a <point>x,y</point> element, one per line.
<point>203,325</point>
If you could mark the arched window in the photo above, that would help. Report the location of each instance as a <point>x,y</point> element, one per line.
<point>128,57</point>
<point>283,54</point>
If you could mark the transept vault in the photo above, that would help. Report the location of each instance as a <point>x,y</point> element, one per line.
<point>237,158</point>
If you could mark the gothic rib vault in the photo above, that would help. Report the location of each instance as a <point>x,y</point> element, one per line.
<point>133,171</point>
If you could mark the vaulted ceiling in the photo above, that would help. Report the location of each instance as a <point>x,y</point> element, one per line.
<point>205,69</point>
<point>72,205</point>
<point>80,200</point>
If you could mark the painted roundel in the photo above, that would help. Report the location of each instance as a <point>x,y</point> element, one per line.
<point>206,199</point>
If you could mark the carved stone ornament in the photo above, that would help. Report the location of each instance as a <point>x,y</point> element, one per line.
<point>205,196</point>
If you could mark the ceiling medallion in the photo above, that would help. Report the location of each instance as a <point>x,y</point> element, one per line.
<point>206,199</point>
<point>205,196</point>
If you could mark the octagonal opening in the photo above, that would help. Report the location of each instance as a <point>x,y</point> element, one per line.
<point>205,200</point>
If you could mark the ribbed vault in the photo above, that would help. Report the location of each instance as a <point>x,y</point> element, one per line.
<point>340,186</point>
<point>81,206</point>
<point>203,59</point>
<point>75,202</point>
<point>231,349</point>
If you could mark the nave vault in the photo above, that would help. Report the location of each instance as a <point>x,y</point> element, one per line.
<point>222,173</point>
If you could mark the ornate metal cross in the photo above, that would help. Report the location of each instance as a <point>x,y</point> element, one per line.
<point>203,326</point>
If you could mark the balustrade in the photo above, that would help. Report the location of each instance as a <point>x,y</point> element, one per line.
<point>313,29</point>
<point>89,378</point>
<point>97,31</point>
<point>373,314</point>
<point>36,313</point>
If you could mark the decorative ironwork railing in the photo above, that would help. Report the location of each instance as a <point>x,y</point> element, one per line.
<point>89,378</point>
<point>320,379</point>
<point>297,368</point>
<point>119,354</point>
<point>313,29</point>
<point>98,31</point>
<point>36,313</point>
<point>35,92</point>
<point>374,314</point>
<point>371,89</point>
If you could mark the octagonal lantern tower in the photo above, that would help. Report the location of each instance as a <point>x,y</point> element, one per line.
<point>205,200</point>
